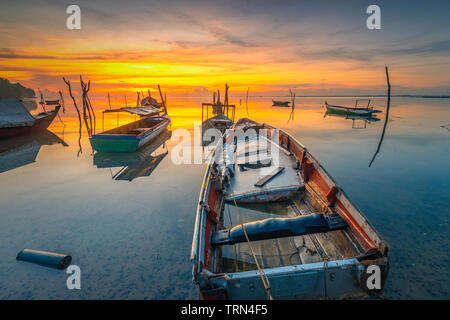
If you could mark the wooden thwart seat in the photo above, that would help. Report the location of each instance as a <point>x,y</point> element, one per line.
<point>268,177</point>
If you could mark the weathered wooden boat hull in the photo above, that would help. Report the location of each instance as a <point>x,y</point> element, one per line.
<point>41,123</point>
<point>340,278</point>
<point>105,142</point>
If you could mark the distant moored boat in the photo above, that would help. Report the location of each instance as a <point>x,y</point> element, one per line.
<point>350,110</point>
<point>280,103</point>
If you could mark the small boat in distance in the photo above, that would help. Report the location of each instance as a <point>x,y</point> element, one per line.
<point>149,101</point>
<point>131,136</point>
<point>271,223</point>
<point>222,113</point>
<point>353,111</point>
<point>15,119</point>
<point>280,103</point>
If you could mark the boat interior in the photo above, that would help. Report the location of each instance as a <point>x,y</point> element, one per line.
<point>136,127</point>
<point>270,203</point>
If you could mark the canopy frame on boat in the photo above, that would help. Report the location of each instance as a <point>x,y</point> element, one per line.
<point>142,111</point>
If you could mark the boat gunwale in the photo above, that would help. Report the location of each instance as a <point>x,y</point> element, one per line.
<point>349,109</point>
<point>102,135</point>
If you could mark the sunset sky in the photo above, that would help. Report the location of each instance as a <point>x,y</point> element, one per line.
<point>189,47</point>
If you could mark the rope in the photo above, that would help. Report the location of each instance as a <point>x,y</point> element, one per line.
<point>234,246</point>
<point>264,278</point>
<point>325,273</point>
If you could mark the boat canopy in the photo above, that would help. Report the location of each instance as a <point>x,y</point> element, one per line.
<point>13,113</point>
<point>141,111</point>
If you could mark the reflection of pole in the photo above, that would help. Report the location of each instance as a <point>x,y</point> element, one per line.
<point>386,120</point>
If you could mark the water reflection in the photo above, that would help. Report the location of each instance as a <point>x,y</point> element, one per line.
<point>22,150</point>
<point>354,119</point>
<point>136,164</point>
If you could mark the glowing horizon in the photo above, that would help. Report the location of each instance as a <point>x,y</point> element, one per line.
<point>317,49</point>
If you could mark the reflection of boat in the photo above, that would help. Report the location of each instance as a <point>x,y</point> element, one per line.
<point>350,111</point>
<point>22,150</point>
<point>15,119</point>
<point>307,241</point>
<point>280,103</point>
<point>135,164</point>
<point>367,119</point>
<point>130,137</point>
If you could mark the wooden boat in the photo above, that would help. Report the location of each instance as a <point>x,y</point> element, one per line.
<point>285,232</point>
<point>220,119</point>
<point>130,137</point>
<point>351,111</point>
<point>280,103</point>
<point>220,122</point>
<point>149,101</point>
<point>15,119</point>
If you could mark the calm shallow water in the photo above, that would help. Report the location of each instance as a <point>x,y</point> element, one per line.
<point>132,239</point>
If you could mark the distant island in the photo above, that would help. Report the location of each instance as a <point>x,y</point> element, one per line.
<point>10,90</point>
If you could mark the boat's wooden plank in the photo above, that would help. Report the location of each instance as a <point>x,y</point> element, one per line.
<point>268,177</point>
<point>309,248</point>
<point>335,244</point>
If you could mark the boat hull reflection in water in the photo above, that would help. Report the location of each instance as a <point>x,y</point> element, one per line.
<point>135,164</point>
<point>22,150</point>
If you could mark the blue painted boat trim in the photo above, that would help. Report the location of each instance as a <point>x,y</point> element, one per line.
<point>114,137</point>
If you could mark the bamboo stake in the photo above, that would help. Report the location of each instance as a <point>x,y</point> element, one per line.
<point>80,150</point>
<point>62,100</point>
<point>246,100</point>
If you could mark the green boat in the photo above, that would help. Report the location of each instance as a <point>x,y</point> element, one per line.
<point>129,137</point>
<point>349,111</point>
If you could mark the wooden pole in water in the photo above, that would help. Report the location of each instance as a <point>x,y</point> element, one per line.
<point>246,100</point>
<point>78,112</point>
<point>162,99</point>
<point>109,101</point>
